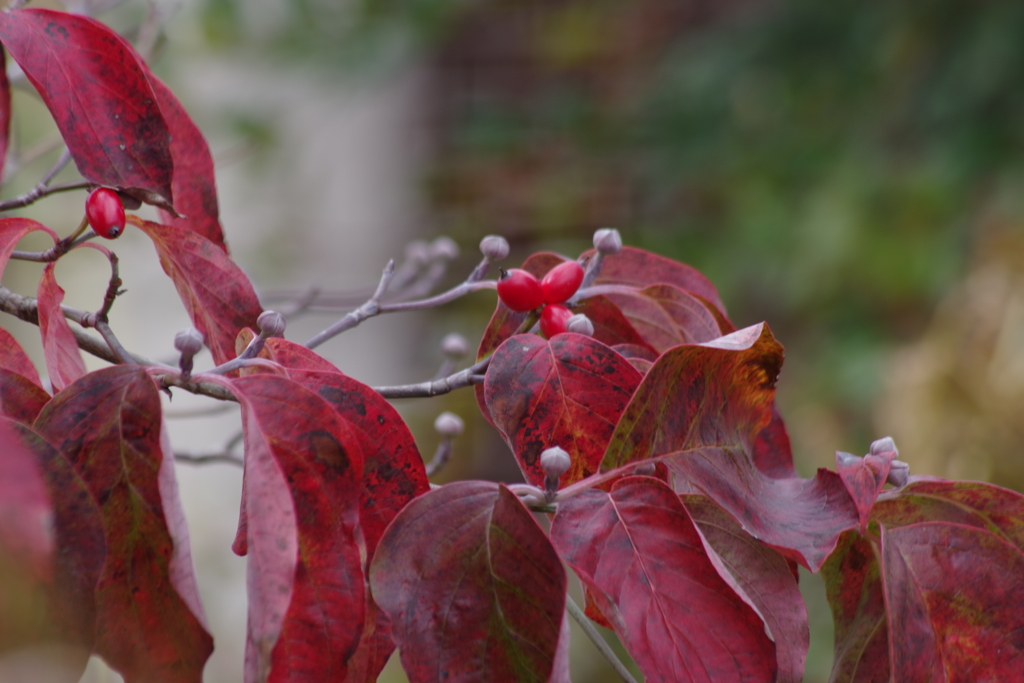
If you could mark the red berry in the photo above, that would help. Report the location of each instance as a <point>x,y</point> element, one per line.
<point>561,282</point>
<point>553,320</point>
<point>520,290</point>
<point>105,212</point>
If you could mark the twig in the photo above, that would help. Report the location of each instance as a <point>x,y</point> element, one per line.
<point>54,252</point>
<point>210,458</point>
<point>576,613</point>
<point>441,456</point>
<point>27,309</point>
<point>353,318</point>
<point>464,378</point>
<point>123,355</point>
<point>43,187</point>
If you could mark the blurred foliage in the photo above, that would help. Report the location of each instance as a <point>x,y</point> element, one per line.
<point>824,163</point>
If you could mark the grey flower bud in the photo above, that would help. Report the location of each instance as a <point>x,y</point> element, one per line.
<point>454,346</point>
<point>272,323</point>
<point>580,324</point>
<point>417,251</point>
<point>444,248</point>
<point>884,445</point>
<point>899,472</point>
<point>608,241</point>
<point>449,424</point>
<point>555,462</point>
<point>494,247</point>
<point>846,459</point>
<point>189,342</point>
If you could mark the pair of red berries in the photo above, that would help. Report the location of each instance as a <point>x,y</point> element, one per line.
<point>521,291</point>
<point>105,213</point>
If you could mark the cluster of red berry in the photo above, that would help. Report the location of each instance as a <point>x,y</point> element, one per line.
<point>521,291</point>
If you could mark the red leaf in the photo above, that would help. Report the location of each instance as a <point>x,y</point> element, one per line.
<point>5,111</point>
<point>60,349</point>
<point>663,315</point>
<point>14,358</point>
<point>853,585</point>
<point>149,625</point>
<point>452,571</point>
<point>218,296</point>
<point>298,357</point>
<point>104,106</point>
<point>638,268</point>
<point>954,596</point>
<point>985,506</point>
<point>772,452</point>
<point>193,184</point>
<point>637,550</point>
<point>714,394</point>
<point>863,479</point>
<point>703,407</point>
<point>567,392</point>
<point>11,232</point>
<point>79,543</point>
<point>25,510</point>
<point>305,578</point>
<point>20,398</point>
<point>393,470</point>
<point>611,327</point>
<point>762,577</point>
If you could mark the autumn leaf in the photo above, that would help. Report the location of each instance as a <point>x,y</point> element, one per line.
<point>99,96</point>
<point>700,409</point>
<point>473,588</point>
<point>149,623</point>
<point>638,552</point>
<point>64,361</point>
<point>307,595</point>
<point>218,296</point>
<point>566,392</point>
<point>762,577</point>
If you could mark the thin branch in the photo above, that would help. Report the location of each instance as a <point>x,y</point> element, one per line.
<point>55,252</point>
<point>464,378</point>
<point>209,458</point>
<point>576,613</point>
<point>43,187</point>
<point>441,456</point>
<point>123,355</point>
<point>353,318</point>
<point>27,309</point>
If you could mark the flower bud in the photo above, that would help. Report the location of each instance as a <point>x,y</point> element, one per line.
<point>884,445</point>
<point>449,424</point>
<point>494,247</point>
<point>417,251</point>
<point>189,342</point>
<point>608,241</point>
<point>580,324</point>
<point>899,472</point>
<point>272,323</point>
<point>846,459</point>
<point>454,346</point>
<point>444,248</point>
<point>555,462</point>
